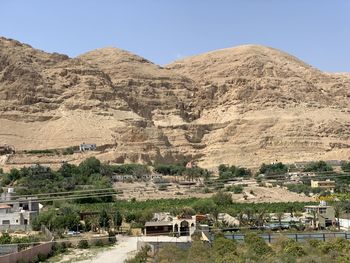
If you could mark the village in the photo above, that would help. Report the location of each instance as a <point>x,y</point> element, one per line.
<point>317,214</point>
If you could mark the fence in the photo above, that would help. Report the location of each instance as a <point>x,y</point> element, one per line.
<point>156,246</point>
<point>299,237</point>
<point>28,254</point>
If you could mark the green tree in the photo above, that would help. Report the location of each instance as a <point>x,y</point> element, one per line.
<point>104,219</point>
<point>320,166</point>
<point>118,219</point>
<point>222,199</point>
<point>223,249</point>
<point>90,166</point>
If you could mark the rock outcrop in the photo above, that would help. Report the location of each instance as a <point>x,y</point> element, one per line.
<point>242,105</point>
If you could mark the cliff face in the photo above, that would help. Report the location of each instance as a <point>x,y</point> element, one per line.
<point>241,105</point>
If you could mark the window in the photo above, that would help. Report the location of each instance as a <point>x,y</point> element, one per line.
<point>5,222</point>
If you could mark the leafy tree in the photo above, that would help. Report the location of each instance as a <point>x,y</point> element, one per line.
<point>90,166</point>
<point>222,199</point>
<point>227,172</point>
<point>273,169</point>
<point>205,206</point>
<point>320,166</point>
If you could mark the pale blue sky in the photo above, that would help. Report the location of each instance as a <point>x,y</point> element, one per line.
<point>316,31</point>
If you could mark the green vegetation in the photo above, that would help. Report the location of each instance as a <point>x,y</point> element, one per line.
<point>255,249</point>
<point>345,166</point>
<point>228,172</point>
<point>6,238</point>
<point>320,166</point>
<point>90,174</point>
<point>303,188</point>
<point>273,169</point>
<point>169,169</point>
<point>46,151</point>
<point>137,170</point>
<point>236,189</point>
<point>181,170</point>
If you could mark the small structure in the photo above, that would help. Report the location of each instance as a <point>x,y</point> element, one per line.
<point>87,147</point>
<point>122,177</point>
<point>327,185</point>
<point>165,224</point>
<point>320,216</point>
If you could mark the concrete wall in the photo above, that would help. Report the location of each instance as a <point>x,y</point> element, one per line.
<point>28,254</point>
<point>15,228</point>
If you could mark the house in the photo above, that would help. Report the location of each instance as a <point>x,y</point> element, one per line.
<point>87,147</point>
<point>165,224</point>
<point>17,212</point>
<point>319,216</point>
<point>327,185</point>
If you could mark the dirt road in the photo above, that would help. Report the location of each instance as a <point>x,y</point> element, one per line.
<point>125,248</point>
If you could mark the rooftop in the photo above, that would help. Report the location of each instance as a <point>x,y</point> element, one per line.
<point>158,223</point>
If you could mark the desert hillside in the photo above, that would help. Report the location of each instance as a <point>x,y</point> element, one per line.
<point>242,105</point>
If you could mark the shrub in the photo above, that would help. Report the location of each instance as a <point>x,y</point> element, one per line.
<point>294,248</point>
<point>257,245</point>
<point>221,198</point>
<point>83,244</point>
<point>41,257</point>
<point>99,243</point>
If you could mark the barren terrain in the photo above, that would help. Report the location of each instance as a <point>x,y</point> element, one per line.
<point>243,106</point>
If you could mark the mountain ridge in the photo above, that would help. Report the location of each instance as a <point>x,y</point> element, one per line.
<point>242,105</point>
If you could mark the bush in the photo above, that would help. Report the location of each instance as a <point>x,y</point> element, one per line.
<point>221,198</point>
<point>256,245</point>
<point>83,244</point>
<point>42,257</point>
<point>99,243</point>
<point>236,189</point>
<point>294,248</point>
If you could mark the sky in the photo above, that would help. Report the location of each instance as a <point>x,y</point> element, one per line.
<point>316,31</point>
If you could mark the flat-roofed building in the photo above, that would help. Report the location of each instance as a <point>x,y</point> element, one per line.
<point>327,185</point>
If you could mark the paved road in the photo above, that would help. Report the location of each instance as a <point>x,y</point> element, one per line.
<point>125,248</point>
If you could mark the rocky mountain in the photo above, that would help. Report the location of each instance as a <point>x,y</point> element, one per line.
<point>242,105</point>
